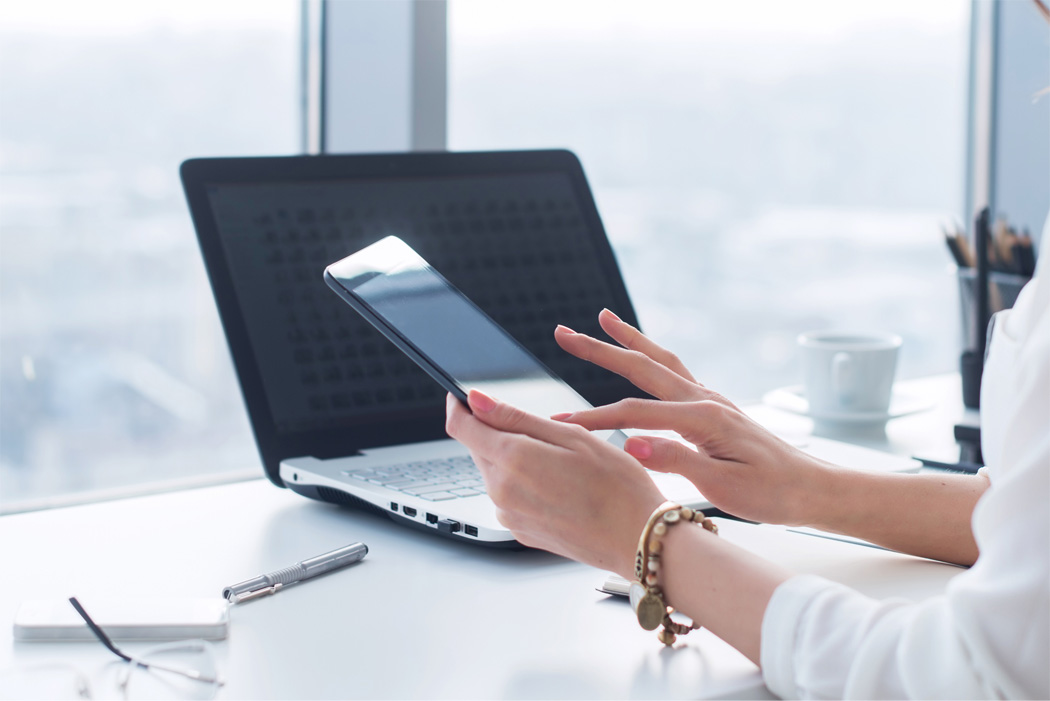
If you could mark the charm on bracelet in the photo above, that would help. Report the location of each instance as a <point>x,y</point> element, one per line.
<point>645,594</point>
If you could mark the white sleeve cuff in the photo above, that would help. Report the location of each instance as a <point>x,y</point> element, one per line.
<point>780,626</point>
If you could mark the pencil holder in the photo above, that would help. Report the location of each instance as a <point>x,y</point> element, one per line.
<point>1003,289</point>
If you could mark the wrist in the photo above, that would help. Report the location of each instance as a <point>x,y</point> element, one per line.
<point>646,592</point>
<point>838,496</point>
<point>627,547</point>
<point>816,494</point>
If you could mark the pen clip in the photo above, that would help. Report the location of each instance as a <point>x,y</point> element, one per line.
<point>256,593</point>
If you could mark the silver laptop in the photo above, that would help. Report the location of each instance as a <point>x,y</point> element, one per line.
<point>339,414</point>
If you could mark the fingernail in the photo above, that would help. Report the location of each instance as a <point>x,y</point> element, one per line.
<point>481,401</point>
<point>561,417</point>
<point>612,314</point>
<point>638,447</point>
<point>566,329</point>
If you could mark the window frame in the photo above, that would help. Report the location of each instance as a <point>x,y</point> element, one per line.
<point>377,79</point>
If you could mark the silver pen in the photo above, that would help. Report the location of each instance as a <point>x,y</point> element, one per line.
<point>273,582</point>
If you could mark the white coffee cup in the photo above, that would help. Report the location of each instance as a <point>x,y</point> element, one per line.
<point>846,374</point>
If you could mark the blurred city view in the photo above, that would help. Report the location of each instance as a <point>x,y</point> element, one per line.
<point>755,182</point>
<point>113,366</point>
<point>762,169</point>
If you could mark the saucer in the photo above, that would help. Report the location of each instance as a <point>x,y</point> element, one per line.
<point>792,399</point>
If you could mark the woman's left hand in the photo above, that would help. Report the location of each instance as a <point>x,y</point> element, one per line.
<point>555,485</point>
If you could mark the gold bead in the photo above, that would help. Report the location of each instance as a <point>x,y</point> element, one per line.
<point>655,546</point>
<point>650,579</point>
<point>672,516</point>
<point>687,513</point>
<point>666,637</point>
<point>660,528</point>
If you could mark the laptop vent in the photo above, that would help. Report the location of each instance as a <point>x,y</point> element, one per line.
<point>334,496</point>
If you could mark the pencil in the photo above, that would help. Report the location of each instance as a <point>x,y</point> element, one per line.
<point>969,260</point>
<point>953,248</point>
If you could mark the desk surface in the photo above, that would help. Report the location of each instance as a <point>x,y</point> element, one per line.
<point>419,617</point>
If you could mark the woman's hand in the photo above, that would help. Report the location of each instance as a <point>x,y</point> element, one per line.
<point>738,465</point>
<point>555,485</point>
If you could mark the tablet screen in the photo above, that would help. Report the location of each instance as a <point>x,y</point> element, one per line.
<point>462,341</point>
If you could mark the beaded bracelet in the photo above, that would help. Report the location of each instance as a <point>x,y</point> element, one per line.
<point>645,593</point>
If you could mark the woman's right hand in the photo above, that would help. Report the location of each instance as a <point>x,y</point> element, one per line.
<point>738,465</point>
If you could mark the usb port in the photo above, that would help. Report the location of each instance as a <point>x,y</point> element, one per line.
<point>409,510</point>
<point>393,506</point>
<point>471,530</point>
<point>432,518</point>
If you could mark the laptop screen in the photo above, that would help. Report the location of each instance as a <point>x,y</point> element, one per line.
<point>520,245</point>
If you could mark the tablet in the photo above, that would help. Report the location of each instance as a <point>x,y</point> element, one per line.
<point>445,333</point>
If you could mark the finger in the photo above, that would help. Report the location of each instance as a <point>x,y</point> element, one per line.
<point>482,441</point>
<point>636,367</point>
<point>630,337</point>
<point>663,454</point>
<point>504,417</point>
<point>687,418</point>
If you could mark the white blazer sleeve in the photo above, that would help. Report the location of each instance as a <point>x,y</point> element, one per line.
<point>989,635</point>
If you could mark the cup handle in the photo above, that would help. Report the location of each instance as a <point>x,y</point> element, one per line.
<point>842,376</point>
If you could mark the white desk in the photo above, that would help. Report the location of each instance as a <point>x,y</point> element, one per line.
<point>419,617</point>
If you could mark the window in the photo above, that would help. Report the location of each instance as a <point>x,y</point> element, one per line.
<point>762,168</point>
<point>113,366</point>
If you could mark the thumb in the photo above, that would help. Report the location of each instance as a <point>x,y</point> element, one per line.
<point>662,454</point>
<point>513,420</point>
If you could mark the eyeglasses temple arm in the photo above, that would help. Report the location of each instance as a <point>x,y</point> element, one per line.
<point>99,633</point>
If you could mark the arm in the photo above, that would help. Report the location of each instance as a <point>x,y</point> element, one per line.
<point>747,471</point>
<point>557,487</point>
<point>927,515</point>
<point>719,585</point>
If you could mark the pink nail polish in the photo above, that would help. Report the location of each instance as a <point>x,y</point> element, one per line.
<point>481,401</point>
<point>561,417</point>
<point>612,314</point>
<point>566,329</point>
<point>638,448</point>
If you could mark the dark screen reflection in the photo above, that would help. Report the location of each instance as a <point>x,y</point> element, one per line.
<point>466,344</point>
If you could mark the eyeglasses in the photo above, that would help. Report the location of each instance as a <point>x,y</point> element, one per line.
<point>183,669</point>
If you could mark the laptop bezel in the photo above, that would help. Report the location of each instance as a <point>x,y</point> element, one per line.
<point>358,434</point>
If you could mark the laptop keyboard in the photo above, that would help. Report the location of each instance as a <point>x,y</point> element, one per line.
<point>433,480</point>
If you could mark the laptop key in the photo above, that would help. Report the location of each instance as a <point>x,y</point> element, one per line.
<point>393,480</point>
<point>437,496</point>
<point>426,488</point>
<point>404,482</point>
<point>465,492</point>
